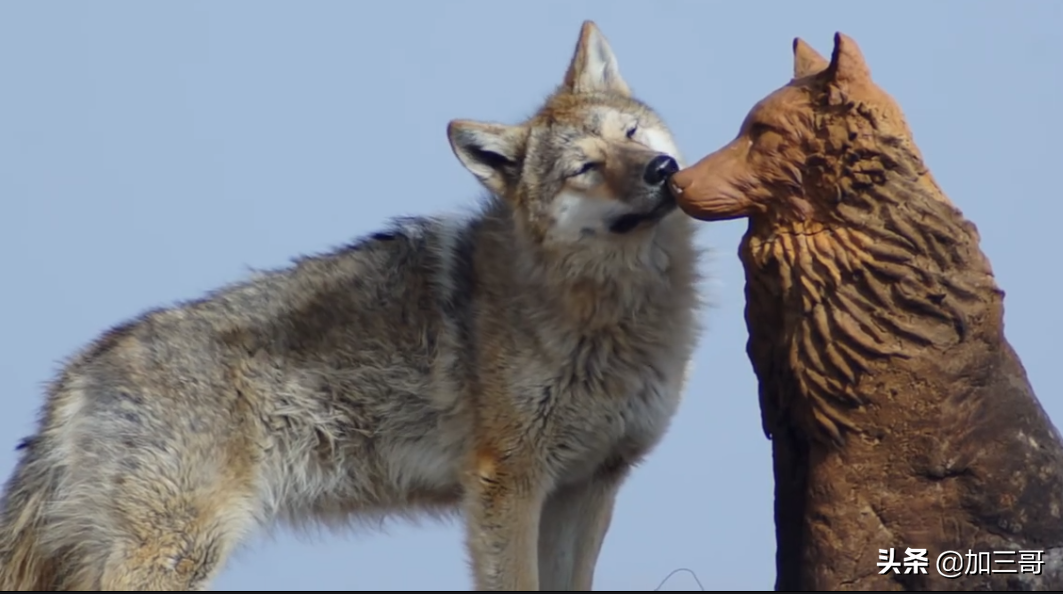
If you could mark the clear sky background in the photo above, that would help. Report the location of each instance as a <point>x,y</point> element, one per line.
<point>151,151</point>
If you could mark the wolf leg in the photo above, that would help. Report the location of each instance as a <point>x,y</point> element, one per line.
<point>503,508</point>
<point>160,530</point>
<point>574,522</point>
<point>177,550</point>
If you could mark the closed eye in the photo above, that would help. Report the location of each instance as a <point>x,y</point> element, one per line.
<point>587,168</point>
<point>757,129</point>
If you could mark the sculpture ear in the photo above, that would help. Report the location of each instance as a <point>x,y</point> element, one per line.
<point>847,63</point>
<point>807,61</point>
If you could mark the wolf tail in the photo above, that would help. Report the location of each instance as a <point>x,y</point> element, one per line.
<point>24,565</point>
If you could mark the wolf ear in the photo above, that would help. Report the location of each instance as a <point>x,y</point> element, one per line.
<point>594,67</point>
<point>491,152</point>
<point>806,60</point>
<point>847,63</point>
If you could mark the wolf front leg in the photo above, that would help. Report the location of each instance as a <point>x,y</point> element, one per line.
<point>503,506</point>
<point>572,529</point>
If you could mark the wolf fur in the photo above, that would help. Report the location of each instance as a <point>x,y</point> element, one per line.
<point>512,365</point>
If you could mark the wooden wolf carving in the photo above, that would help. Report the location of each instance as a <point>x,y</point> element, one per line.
<point>900,415</point>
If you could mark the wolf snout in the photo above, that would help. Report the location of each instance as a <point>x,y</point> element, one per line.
<point>659,169</point>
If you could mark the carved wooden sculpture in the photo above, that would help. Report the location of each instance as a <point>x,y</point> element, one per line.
<point>900,416</point>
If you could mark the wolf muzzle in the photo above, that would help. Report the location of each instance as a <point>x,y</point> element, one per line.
<point>656,175</point>
<point>658,170</point>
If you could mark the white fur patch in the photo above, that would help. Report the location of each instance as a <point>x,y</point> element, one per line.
<point>613,121</point>
<point>601,67</point>
<point>574,213</point>
<point>662,142</point>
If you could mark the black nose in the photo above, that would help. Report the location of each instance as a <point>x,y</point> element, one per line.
<point>659,169</point>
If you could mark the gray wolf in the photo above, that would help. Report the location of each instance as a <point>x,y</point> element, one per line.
<point>512,365</point>
<point>899,414</point>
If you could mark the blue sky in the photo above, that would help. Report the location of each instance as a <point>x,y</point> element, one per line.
<point>153,151</point>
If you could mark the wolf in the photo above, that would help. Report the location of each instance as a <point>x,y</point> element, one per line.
<point>900,416</point>
<point>511,365</point>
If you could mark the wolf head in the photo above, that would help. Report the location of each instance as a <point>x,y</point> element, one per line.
<point>592,164</point>
<point>804,145</point>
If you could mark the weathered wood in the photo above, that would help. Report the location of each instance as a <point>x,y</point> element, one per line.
<point>899,413</point>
